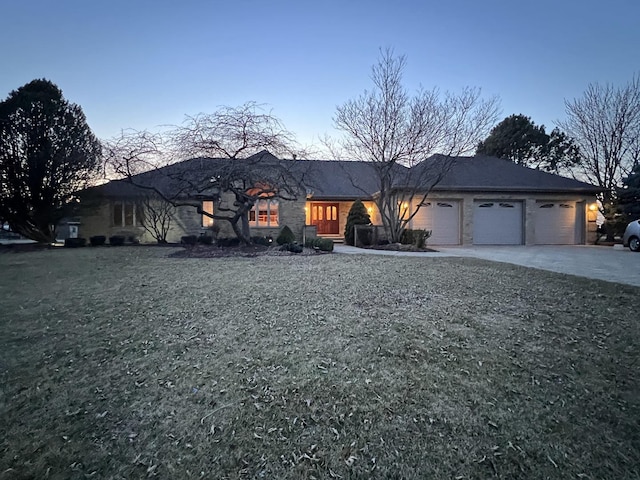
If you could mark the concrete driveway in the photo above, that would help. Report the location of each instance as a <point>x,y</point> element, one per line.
<point>602,263</point>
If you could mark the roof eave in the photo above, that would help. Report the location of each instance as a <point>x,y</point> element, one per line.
<point>518,189</point>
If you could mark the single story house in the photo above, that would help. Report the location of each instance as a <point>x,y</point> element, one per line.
<point>480,200</point>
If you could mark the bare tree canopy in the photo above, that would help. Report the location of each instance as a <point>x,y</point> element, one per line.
<point>605,124</point>
<point>47,153</point>
<point>231,145</point>
<point>394,130</point>
<point>233,132</point>
<point>519,139</point>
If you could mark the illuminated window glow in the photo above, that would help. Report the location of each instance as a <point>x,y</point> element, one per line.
<point>265,213</point>
<point>207,206</point>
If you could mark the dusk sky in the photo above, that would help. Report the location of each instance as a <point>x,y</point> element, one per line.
<point>144,63</point>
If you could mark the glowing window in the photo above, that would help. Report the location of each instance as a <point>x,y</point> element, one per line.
<point>265,213</point>
<point>207,206</point>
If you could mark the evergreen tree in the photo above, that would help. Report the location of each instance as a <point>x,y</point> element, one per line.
<point>629,195</point>
<point>358,215</point>
<point>47,154</point>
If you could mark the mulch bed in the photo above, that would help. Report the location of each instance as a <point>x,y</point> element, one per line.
<point>398,247</point>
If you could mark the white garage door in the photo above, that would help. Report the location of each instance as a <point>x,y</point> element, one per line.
<point>497,223</point>
<point>555,223</point>
<point>442,217</point>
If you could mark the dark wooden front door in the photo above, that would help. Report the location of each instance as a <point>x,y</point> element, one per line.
<point>325,217</point>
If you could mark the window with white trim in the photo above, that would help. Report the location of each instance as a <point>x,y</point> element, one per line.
<point>127,214</point>
<point>265,213</point>
<point>207,206</point>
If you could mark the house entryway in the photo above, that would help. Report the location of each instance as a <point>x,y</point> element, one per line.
<point>325,216</point>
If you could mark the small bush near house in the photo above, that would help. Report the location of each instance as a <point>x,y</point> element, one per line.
<point>205,239</point>
<point>97,240</point>
<point>228,242</point>
<point>358,215</point>
<point>286,236</point>
<point>189,240</point>
<point>291,247</point>
<point>266,241</point>
<point>116,240</point>
<point>75,242</point>
<point>415,237</point>
<point>317,243</point>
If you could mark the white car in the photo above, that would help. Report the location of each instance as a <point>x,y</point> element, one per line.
<point>631,237</point>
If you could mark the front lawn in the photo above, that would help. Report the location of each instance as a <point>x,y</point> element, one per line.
<point>124,363</point>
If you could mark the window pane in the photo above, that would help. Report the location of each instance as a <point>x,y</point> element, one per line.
<point>320,212</point>
<point>139,214</point>
<point>273,214</point>
<point>207,206</point>
<point>334,213</point>
<point>128,214</point>
<point>117,214</point>
<point>252,215</point>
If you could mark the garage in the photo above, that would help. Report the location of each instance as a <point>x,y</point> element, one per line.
<point>497,222</point>
<point>555,223</point>
<point>442,217</point>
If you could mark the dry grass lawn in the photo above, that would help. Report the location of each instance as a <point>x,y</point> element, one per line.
<point>123,363</point>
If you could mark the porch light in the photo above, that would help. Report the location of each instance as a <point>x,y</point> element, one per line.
<point>593,207</point>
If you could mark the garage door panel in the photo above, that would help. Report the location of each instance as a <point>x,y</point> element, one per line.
<point>497,223</point>
<point>442,217</point>
<point>555,223</point>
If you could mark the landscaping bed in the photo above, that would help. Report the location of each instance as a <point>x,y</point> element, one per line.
<point>127,363</point>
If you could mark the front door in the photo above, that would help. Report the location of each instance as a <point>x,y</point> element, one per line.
<point>325,217</point>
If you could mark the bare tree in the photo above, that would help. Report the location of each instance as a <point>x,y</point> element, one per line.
<point>229,158</point>
<point>157,215</point>
<point>397,133</point>
<point>605,124</point>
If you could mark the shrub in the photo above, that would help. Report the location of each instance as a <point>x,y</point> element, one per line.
<point>266,241</point>
<point>291,247</point>
<point>97,240</point>
<point>116,240</point>
<point>357,216</point>
<point>189,240</point>
<point>286,236</point>
<point>317,243</point>
<point>205,239</point>
<point>415,237</point>
<point>75,242</point>
<point>228,242</point>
